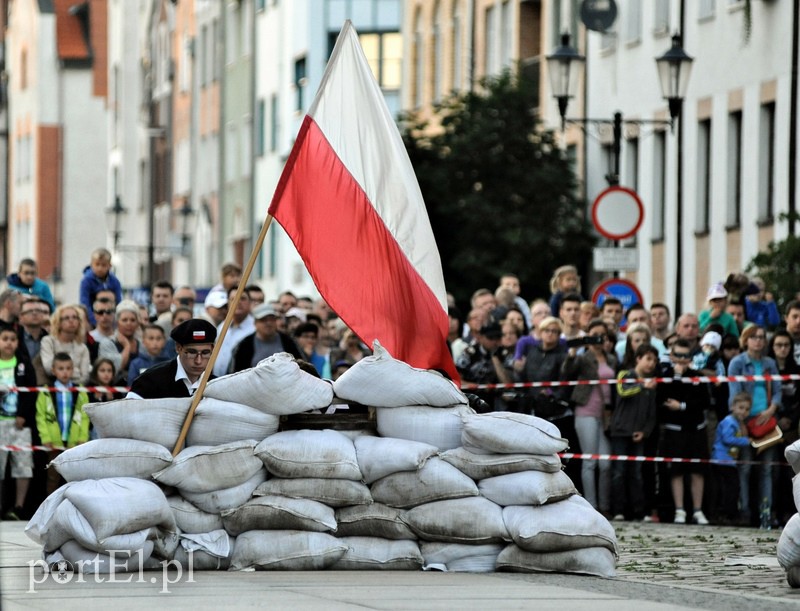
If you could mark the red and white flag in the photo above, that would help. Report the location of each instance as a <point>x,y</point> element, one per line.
<point>350,202</point>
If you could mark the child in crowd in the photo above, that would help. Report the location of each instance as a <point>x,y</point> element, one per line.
<point>760,308</point>
<point>565,280</point>
<point>715,313</point>
<point>97,276</point>
<point>632,421</point>
<point>731,436</point>
<point>16,417</point>
<point>60,417</point>
<point>153,341</point>
<point>104,373</point>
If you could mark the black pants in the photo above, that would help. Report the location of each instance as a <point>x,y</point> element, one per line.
<point>726,479</point>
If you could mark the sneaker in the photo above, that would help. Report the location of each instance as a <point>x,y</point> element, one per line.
<point>618,518</point>
<point>11,515</point>
<point>680,516</point>
<point>652,518</point>
<point>698,517</point>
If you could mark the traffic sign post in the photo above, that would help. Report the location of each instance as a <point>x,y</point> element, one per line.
<point>624,290</point>
<point>617,213</point>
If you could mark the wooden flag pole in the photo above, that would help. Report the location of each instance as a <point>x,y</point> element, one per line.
<point>218,345</point>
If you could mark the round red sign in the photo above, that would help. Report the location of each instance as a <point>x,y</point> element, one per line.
<point>617,213</point>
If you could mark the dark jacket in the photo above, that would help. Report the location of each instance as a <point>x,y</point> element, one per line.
<point>635,409</point>
<point>584,367</point>
<point>159,382</point>
<point>24,375</point>
<point>696,396</point>
<point>245,349</point>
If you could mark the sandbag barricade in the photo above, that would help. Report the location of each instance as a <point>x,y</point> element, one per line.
<point>789,541</point>
<point>439,488</point>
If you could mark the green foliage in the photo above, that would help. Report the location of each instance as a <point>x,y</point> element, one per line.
<point>779,265</point>
<point>500,194</point>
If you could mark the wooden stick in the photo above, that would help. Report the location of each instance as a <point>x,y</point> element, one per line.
<point>218,345</point>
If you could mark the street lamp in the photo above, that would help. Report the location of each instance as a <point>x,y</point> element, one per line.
<point>673,75</point>
<point>114,214</point>
<point>564,66</point>
<point>187,226</point>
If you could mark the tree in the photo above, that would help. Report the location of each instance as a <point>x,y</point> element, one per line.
<point>778,265</point>
<point>500,194</point>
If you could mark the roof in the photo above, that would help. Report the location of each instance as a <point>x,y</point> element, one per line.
<point>72,30</point>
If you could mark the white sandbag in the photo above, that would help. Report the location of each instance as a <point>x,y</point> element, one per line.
<point>511,433</point>
<point>121,505</point>
<point>209,468</point>
<point>38,526</point>
<point>460,557</point>
<point>331,492</point>
<point>156,420</point>
<point>94,563</point>
<point>793,577</point>
<point>440,427</point>
<point>569,524</point>
<point>305,453</point>
<point>279,513</point>
<point>286,550</point>
<point>527,488</point>
<point>376,520</point>
<point>789,543</point>
<point>190,519</point>
<point>372,553</point>
<point>597,561</point>
<point>380,380</point>
<point>481,466</point>
<point>436,481</point>
<point>200,560</point>
<point>792,454</point>
<point>217,422</point>
<point>472,520</point>
<point>216,542</point>
<point>275,386</point>
<point>382,456</point>
<point>227,498</point>
<point>111,457</point>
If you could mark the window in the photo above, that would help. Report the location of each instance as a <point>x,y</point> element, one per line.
<point>212,51</point>
<point>632,163</point>
<point>705,9</point>
<point>203,53</point>
<point>231,31</point>
<point>419,61</point>
<point>661,14</point>
<point>260,127</point>
<point>300,82</point>
<point>186,62</point>
<point>633,22</point>
<point>23,69</point>
<point>507,34</point>
<point>246,145</point>
<point>230,152</point>
<point>659,184</point>
<point>456,53</point>
<point>384,51</point>
<point>273,123</point>
<point>438,57</point>
<point>766,160</point>
<point>246,23</point>
<point>491,60</point>
<point>703,176</point>
<point>734,211</point>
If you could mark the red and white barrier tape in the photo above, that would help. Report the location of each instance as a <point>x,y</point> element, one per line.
<point>75,388</point>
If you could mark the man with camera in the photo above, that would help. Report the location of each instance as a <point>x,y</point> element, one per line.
<point>482,361</point>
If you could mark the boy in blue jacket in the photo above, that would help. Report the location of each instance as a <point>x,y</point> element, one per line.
<point>731,436</point>
<point>97,276</point>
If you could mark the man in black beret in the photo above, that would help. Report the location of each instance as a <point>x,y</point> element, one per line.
<point>482,361</point>
<point>179,377</point>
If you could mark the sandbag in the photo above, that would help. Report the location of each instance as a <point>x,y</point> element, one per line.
<point>382,456</point>
<point>120,505</point>
<point>792,454</point>
<point>279,513</point>
<point>569,524</point>
<point>156,420</point>
<point>473,520</point>
<point>191,519</point>
<point>597,561</point>
<point>796,491</point>
<point>227,498</point>
<point>200,560</point>
<point>331,492</point>
<point>481,466</point>
<point>37,528</point>
<point>209,468</point>
<point>111,457</point>
<point>376,520</point>
<point>286,550</point>
<point>373,553</point>
<point>511,433</point>
<point>527,488</point>
<point>275,386</point>
<point>93,563</point>
<point>460,557</point>
<point>216,542</point>
<point>435,481</point>
<point>305,453</point>
<point>380,380</point>
<point>789,544</point>
<point>218,422</point>
<point>440,427</point>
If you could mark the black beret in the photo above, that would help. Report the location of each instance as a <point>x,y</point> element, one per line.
<point>194,331</point>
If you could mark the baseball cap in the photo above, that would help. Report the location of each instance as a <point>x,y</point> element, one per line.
<point>712,338</point>
<point>263,311</point>
<point>299,313</point>
<point>717,291</point>
<point>216,299</point>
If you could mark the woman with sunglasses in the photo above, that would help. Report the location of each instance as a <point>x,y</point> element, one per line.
<point>767,398</point>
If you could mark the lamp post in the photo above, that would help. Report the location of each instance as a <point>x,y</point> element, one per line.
<point>673,67</point>
<point>114,214</point>
<point>187,226</point>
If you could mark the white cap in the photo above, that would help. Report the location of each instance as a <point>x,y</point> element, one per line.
<point>712,338</point>
<point>216,299</point>
<point>717,291</point>
<point>299,313</point>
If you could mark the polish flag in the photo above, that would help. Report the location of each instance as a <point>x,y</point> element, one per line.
<point>349,200</point>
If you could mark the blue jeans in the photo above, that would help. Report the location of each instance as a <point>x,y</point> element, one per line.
<point>764,478</point>
<point>627,472</point>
